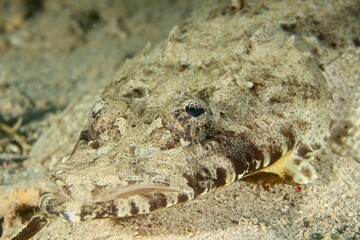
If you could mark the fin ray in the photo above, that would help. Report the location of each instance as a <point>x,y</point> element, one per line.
<point>292,167</point>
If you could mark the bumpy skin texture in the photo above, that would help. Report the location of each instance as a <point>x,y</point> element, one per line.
<point>181,119</point>
<point>343,76</point>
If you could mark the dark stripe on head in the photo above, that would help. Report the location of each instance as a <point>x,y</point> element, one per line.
<point>238,160</point>
<point>275,154</point>
<point>50,207</point>
<point>99,209</point>
<point>289,136</point>
<point>221,175</point>
<point>200,181</point>
<point>256,155</point>
<point>108,209</point>
<point>133,208</point>
<point>240,151</point>
<point>194,184</point>
<point>86,210</point>
<point>156,201</point>
<point>182,198</point>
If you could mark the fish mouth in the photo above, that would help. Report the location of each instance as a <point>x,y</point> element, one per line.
<point>124,192</point>
<point>134,200</point>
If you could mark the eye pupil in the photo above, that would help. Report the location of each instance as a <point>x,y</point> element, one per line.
<point>194,111</point>
<point>93,113</point>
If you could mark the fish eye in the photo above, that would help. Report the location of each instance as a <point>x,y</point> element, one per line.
<point>96,109</point>
<point>194,111</point>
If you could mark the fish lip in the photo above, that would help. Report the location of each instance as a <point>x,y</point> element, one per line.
<point>124,192</point>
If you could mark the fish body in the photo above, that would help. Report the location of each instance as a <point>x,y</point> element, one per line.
<point>224,97</point>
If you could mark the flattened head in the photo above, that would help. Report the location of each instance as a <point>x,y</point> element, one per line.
<point>164,135</point>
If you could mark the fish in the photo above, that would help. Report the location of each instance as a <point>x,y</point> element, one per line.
<point>229,94</point>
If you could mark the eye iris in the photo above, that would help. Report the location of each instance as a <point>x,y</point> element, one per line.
<point>194,111</point>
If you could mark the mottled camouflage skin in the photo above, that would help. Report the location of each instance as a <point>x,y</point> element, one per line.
<point>221,99</point>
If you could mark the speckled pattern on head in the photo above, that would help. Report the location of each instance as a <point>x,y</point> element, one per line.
<point>209,106</point>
